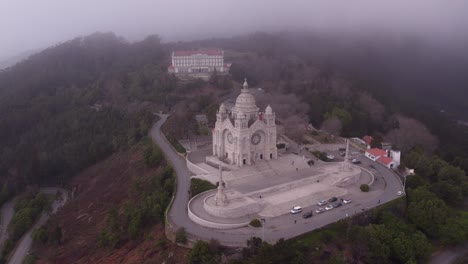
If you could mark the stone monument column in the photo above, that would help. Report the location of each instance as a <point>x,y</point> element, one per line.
<point>346,166</point>
<point>221,198</point>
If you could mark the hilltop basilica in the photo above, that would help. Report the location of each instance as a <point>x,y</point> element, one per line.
<point>243,134</point>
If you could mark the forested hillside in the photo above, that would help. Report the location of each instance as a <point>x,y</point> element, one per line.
<point>67,107</point>
<point>75,104</point>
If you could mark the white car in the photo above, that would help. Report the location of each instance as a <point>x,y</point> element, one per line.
<point>400,193</point>
<point>347,201</point>
<point>319,210</point>
<point>330,157</point>
<point>321,202</point>
<point>296,210</point>
<point>329,207</point>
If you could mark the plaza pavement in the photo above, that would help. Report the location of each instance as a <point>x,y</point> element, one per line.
<point>286,226</point>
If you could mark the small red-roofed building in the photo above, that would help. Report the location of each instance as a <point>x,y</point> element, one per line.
<point>375,153</point>
<point>387,162</point>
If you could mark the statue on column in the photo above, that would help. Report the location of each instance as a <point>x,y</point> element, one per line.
<point>346,166</point>
<point>221,198</point>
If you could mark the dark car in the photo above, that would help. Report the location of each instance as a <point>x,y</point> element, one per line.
<point>307,215</point>
<point>337,205</point>
<point>333,199</point>
<point>310,162</point>
<point>356,161</point>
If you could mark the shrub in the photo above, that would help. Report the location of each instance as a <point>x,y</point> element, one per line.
<point>29,259</point>
<point>39,235</point>
<point>181,236</point>
<point>364,187</point>
<point>152,156</point>
<point>255,223</point>
<point>108,239</point>
<point>281,145</point>
<point>320,155</point>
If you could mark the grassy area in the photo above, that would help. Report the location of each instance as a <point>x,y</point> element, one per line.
<point>321,137</point>
<point>176,144</point>
<point>198,186</point>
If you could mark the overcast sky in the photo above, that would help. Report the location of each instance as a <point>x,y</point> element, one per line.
<point>33,24</point>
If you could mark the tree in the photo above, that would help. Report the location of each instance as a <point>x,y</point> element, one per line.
<point>455,231</point>
<point>201,254</point>
<point>332,126</point>
<point>373,108</point>
<point>410,133</point>
<point>427,211</point>
<point>379,240</point>
<point>181,236</point>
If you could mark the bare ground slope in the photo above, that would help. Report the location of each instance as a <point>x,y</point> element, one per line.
<point>96,189</point>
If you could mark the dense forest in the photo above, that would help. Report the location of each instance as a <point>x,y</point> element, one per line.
<point>74,104</point>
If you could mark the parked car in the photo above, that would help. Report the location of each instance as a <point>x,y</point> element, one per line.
<point>319,210</point>
<point>310,162</point>
<point>347,201</point>
<point>329,207</point>
<point>296,210</point>
<point>322,202</point>
<point>307,215</point>
<point>342,153</point>
<point>330,157</point>
<point>342,149</point>
<point>336,205</point>
<point>400,193</point>
<point>356,161</point>
<point>333,199</point>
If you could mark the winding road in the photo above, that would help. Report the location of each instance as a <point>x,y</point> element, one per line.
<point>280,227</point>
<point>24,244</point>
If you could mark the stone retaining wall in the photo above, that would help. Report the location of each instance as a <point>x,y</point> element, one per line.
<point>193,168</point>
<point>232,212</point>
<point>195,218</point>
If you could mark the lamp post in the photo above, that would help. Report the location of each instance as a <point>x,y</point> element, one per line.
<point>263,229</point>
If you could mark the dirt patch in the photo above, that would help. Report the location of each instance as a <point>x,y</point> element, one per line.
<point>81,220</point>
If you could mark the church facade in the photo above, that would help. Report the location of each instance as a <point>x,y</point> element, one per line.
<point>244,135</point>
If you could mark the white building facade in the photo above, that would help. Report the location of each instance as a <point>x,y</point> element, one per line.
<point>244,134</point>
<point>198,61</point>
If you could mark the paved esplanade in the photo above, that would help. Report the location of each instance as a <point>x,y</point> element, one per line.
<point>283,226</point>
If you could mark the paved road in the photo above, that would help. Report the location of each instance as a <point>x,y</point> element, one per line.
<point>448,255</point>
<point>25,243</point>
<point>282,227</point>
<point>6,216</point>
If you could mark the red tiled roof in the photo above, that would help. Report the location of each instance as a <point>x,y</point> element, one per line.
<point>193,52</point>
<point>376,152</point>
<point>367,139</point>
<point>385,160</point>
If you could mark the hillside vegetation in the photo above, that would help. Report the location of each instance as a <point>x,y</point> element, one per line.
<point>76,115</point>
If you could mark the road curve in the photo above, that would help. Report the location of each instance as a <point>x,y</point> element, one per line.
<point>7,213</point>
<point>24,245</point>
<point>281,227</point>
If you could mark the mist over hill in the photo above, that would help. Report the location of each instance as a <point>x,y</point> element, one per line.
<point>432,74</point>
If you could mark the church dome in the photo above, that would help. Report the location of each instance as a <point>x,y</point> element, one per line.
<point>268,110</point>
<point>245,102</point>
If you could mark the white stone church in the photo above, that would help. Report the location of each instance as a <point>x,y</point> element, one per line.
<point>244,134</point>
